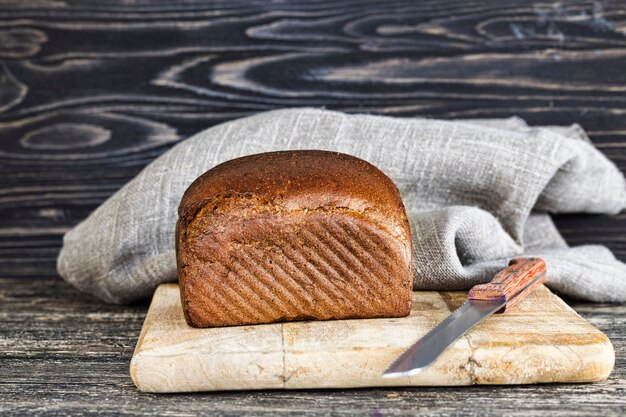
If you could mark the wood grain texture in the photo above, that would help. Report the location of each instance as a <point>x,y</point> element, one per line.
<point>541,340</point>
<point>90,92</point>
<point>65,353</point>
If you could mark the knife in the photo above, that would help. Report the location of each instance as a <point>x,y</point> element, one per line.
<point>507,288</point>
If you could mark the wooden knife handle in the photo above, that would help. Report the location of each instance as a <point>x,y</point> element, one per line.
<point>512,283</point>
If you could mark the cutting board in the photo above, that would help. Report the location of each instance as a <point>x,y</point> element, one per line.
<point>539,340</point>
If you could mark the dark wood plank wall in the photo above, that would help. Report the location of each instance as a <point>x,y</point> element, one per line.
<point>92,91</point>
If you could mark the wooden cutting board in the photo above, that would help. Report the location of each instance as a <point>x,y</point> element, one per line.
<point>540,340</point>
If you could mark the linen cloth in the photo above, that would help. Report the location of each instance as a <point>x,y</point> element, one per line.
<point>477,192</point>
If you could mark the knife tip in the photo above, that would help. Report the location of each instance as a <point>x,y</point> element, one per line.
<point>400,374</point>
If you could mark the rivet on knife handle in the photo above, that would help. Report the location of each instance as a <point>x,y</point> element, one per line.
<point>513,283</point>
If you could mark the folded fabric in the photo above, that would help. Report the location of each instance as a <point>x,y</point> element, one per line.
<point>477,192</point>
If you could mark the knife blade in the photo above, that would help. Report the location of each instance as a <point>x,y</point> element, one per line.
<point>507,288</point>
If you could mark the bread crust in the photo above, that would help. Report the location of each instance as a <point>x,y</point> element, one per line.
<point>292,235</point>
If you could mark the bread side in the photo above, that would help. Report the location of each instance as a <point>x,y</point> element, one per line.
<point>291,236</point>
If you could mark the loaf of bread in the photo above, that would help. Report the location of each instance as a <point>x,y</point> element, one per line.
<point>293,235</point>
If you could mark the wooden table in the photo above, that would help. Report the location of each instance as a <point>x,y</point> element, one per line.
<point>90,93</point>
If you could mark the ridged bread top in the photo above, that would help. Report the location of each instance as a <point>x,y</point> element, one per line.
<point>301,180</point>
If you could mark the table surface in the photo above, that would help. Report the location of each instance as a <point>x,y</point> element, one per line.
<point>90,92</point>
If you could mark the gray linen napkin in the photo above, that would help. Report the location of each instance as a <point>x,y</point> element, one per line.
<point>477,192</point>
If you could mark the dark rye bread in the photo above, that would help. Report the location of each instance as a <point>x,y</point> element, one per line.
<point>293,235</point>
